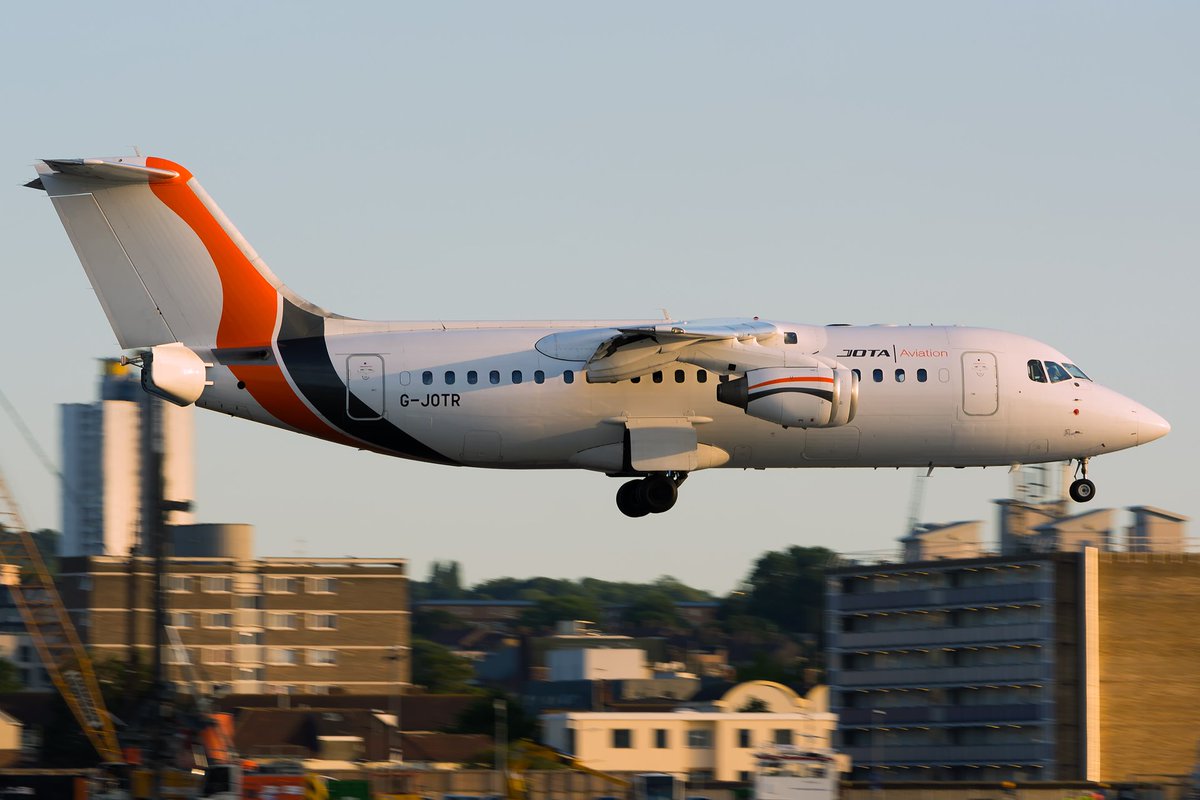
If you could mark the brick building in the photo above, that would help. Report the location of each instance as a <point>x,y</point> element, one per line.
<point>283,625</point>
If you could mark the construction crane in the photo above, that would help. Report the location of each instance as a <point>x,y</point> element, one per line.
<point>50,628</point>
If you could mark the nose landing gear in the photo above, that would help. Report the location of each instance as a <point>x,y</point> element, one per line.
<point>1082,490</point>
<point>653,494</point>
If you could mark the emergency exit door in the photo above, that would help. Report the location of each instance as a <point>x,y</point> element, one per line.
<point>364,386</point>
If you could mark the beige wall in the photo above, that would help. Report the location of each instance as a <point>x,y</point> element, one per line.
<point>1149,619</point>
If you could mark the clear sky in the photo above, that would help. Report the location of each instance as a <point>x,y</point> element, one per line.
<point>1028,166</point>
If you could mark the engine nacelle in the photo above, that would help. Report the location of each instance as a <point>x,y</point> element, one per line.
<point>801,397</point>
<point>174,373</point>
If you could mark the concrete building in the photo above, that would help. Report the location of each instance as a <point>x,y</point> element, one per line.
<point>106,465</point>
<point>1156,531</point>
<point>1054,666</point>
<point>284,625</point>
<point>1074,533</point>
<point>702,742</point>
<point>952,540</point>
<point>596,663</point>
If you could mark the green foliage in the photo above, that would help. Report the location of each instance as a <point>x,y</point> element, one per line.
<point>655,609</point>
<point>755,705</point>
<point>427,624</point>
<point>480,717</point>
<point>10,677</point>
<point>550,610</point>
<point>787,588</point>
<point>439,670</point>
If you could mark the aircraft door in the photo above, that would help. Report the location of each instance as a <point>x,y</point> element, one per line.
<point>981,389</point>
<point>364,386</point>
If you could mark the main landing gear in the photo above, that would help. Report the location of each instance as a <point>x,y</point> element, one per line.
<point>1082,490</point>
<point>653,494</point>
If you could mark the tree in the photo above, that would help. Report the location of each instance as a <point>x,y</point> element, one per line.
<point>480,717</point>
<point>788,588</point>
<point>10,677</point>
<point>654,609</point>
<point>445,580</point>
<point>549,610</point>
<point>439,670</point>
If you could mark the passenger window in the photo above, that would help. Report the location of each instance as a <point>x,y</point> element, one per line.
<point>658,376</point>
<point>568,377</point>
<point>701,376</point>
<point>472,377</point>
<point>899,376</point>
<point>789,337</point>
<point>638,379</point>
<point>494,376</point>
<point>922,376</point>
<point>539,377</point>
<point>427,377</point>
<point>1037,372</point>
<point>1056,372</point>
<point>449,377</point>
<point>723,378</point>
<point>877,376</point>
<point>679,376</point>
<point>516,376</point>
<point>857,373</point>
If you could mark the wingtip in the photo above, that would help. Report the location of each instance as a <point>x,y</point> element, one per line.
<point>36,183</point>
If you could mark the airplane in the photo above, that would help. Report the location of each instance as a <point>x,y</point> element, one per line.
<point>646,400</point>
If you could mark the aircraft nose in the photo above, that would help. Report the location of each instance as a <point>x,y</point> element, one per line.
<point>1150,426</point>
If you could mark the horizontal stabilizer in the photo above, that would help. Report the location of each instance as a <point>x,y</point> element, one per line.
<point>116,170</point>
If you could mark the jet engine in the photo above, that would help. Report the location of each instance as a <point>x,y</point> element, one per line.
<point>803,397</point>
<point>174,373</point>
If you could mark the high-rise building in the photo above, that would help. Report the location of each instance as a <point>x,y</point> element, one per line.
<point>106,463</point>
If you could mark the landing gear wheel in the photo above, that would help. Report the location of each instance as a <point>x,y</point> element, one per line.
<point>657,493</point>
<point>1082,490</point>
<point>628,500</point>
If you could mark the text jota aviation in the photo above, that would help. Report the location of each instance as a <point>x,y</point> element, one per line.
<point>652,401</point>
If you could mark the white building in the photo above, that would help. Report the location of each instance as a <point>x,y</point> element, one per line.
<point>704,741</point>
<point>597,664</point>
<point>104,469</point>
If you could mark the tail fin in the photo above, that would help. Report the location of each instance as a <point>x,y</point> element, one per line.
<point>166,263</point>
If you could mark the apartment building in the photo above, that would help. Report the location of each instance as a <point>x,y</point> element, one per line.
<point>1045,666</point>
<point>281,625</point>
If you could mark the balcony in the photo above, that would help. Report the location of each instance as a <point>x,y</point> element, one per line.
<point>916,637</point>
<point>908,715</point>
<point>931,754</point>
<point>932,598</point>
<point>942,676</point>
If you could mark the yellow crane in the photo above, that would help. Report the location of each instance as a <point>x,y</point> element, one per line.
<point>57,642</point>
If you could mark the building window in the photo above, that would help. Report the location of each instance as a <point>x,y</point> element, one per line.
<point>220,621</point>
<point>322,622</point>
<point>660,738</point>
<point>699,739</point>
<point>216,655</point>
<point>282,656</point>
<point>622,738</point>
<point>744,776</point>
<point>277,585</point>
<point>216,584</point>
<point>177,655</point>
<point>283,621</point>
<point>783,736</point>
<point>322,658</point>
<point>743,737</point>
<point>179,583</point>
<point>322,586</point>
<point>183,619</point>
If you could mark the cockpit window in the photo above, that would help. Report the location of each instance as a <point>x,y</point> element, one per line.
<point>1057,373</point>
<point>1076,372</point>
<point>1037,373</point>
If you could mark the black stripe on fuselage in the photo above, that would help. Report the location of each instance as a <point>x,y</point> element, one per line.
<point>824,394</point>
<point>306,358</point>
